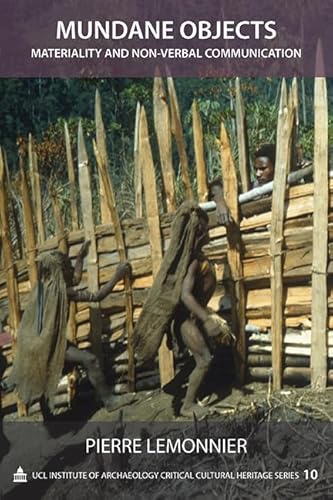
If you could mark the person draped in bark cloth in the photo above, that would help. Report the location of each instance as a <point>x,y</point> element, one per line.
<point>181,291</point>
<point>42,347</point>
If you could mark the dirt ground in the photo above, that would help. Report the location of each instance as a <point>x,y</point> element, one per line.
<point>231,411</point>
<point>252,399</point>
<point>163,405</point>
<point>252,404</point>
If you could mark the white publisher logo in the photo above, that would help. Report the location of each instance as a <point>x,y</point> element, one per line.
<point>20,476</point>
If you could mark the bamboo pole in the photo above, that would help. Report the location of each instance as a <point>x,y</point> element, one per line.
<point>296,337</point>
<point>102,162</point>
<point>89,230</point>
<point>177,130</point>
<point>71,177</point>
<point>293,178</point>
<point>149,183</point>
<point>234,251</point>
<point>106,215</point>
<point>199,153</point>
<point>12,288</point>
<point>163,132</point>
<point>242,139</point>
<point>320,238</point>
<point>29,230</point>
<point>137,169</point>
<point>284,134</point>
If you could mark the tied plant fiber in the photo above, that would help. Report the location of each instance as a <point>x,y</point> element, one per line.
<point>164,295</point>
<point>41,337</point>
<point>226,336</point>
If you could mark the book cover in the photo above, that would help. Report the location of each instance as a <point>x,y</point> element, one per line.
<point>165,249</point>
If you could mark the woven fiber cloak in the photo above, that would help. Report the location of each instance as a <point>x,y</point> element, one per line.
<point>41,337</point>
<point>165,293</point>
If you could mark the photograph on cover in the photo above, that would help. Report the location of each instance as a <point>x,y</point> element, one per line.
<point>165,255</point>
<point>156,206</point>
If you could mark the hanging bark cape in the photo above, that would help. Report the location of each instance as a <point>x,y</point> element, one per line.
<point>164,295</point>
<point>41,337</point>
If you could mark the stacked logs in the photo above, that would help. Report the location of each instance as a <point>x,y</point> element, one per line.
<point>297,351</point>
<point>255,232</point>
<point>66,387</point>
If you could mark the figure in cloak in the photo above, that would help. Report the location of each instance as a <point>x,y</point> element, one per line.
<point>42,347</point>
<point>181,291</point>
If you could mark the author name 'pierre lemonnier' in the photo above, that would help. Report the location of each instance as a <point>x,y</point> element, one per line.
<point>229,445</point>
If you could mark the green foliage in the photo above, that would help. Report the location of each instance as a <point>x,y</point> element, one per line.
<point>306,141</point>
<point>40,106</point>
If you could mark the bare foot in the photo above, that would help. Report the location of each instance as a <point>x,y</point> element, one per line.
<point>113,403</point>
<point>196,410</point>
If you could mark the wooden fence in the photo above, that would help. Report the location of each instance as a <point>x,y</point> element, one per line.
<point>274,262</point>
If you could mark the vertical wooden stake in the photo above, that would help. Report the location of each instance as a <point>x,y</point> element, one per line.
<point>320,239</point>
<point>304,116</point>
<point>29,230</point>
<point>149,183</point>
<point>177,130</point>
<point>282,166</point>
<point>14,209</point>
<point>37,204</point>
<point>199,153</point>
<point>89,229</point>
<point>63,247</point>
<point>294,142</point>
<point>59,223</point>
<point>72,327</point>
<point>242,139</point>
<point>237,291</point>
<point>101,145</point>
<point>163,132</point>
<point>31,170</point>
<point>13,296</point>
<point>39,201</point>
<point>137,169</point>
<point>102,163</point>
<point>71,177</point>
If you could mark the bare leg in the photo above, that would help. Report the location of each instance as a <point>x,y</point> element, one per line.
<point>194,341</point>
<point>90,362</point>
